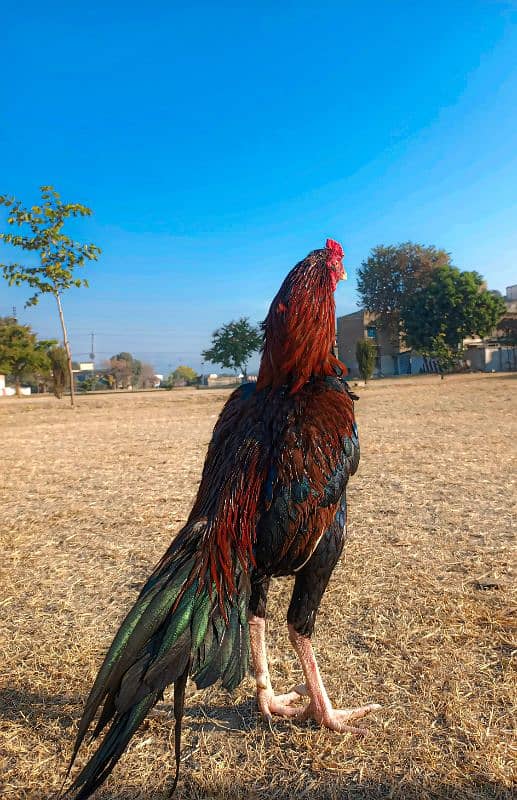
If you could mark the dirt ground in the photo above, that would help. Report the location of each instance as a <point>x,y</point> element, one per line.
<point>418,615</point>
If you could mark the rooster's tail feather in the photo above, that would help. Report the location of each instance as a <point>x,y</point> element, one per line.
<point>179,625</point>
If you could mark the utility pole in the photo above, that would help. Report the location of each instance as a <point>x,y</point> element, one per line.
<point>92,352</point>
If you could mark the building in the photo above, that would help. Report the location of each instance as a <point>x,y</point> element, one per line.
<point>511,295</point>
<point>495,353</point>
<point>219,381</point>
<point>392,358</point>
<point>82,367</point>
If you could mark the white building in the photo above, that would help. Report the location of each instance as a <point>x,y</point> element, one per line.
<point>9,391</point>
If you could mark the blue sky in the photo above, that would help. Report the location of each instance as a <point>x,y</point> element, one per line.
<point>219,142</point>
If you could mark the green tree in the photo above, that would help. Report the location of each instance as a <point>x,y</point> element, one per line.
<point>453,306</point>
<point>88,383</point>
<point>233,345</point>
<point>448,358</point>
<point>41,232</point>
<point>183,374</point>
<point>126,370</point>
<point>391,274</point>
<point>365,353</point>
<point>59,368</point>
<point>22,356</point>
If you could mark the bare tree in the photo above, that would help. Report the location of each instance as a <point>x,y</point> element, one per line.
<point>147,376</point>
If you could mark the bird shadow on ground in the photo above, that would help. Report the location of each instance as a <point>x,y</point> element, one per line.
<point>16,704</point>
<point>211,717</point>
<point>347,790</point>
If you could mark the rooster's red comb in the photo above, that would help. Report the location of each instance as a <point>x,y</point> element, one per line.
<point>336,252</point>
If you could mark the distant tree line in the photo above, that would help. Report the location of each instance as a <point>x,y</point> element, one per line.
<point>43,364</point>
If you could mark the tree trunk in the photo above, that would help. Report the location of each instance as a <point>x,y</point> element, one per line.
<point>17,386</point>
<point>66,345</point>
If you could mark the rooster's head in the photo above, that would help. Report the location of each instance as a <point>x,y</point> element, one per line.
<point>300,328</point>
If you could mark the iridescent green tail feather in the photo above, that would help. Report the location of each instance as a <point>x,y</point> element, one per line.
<point>178,626</point>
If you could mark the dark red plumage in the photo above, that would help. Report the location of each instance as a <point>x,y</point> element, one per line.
<point>300,328</point>
<point>271,502</point>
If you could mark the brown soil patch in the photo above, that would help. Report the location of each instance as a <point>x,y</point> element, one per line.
<point>418,615</point>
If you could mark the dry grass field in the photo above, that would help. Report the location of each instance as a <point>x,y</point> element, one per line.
<point>418,615</point>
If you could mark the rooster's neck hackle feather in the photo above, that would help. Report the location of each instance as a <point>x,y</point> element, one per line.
<point>300,328</point>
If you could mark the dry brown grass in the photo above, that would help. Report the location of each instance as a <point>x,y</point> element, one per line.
<point>417,617</point>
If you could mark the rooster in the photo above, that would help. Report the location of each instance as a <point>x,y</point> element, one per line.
<point>271,502</point>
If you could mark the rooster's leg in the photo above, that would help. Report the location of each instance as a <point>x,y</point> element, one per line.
<point>320,708</point>
<point>310,584</point>
<point>268,702</point>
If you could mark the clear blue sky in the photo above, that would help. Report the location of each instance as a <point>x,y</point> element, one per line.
<point>219,142</point>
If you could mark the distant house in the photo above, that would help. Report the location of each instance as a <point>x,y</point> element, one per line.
<point>494,353</point>
<point>498,351</point>
<point>393,358</point>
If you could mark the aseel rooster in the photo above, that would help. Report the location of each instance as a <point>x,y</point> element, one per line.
<point>271,502</point>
